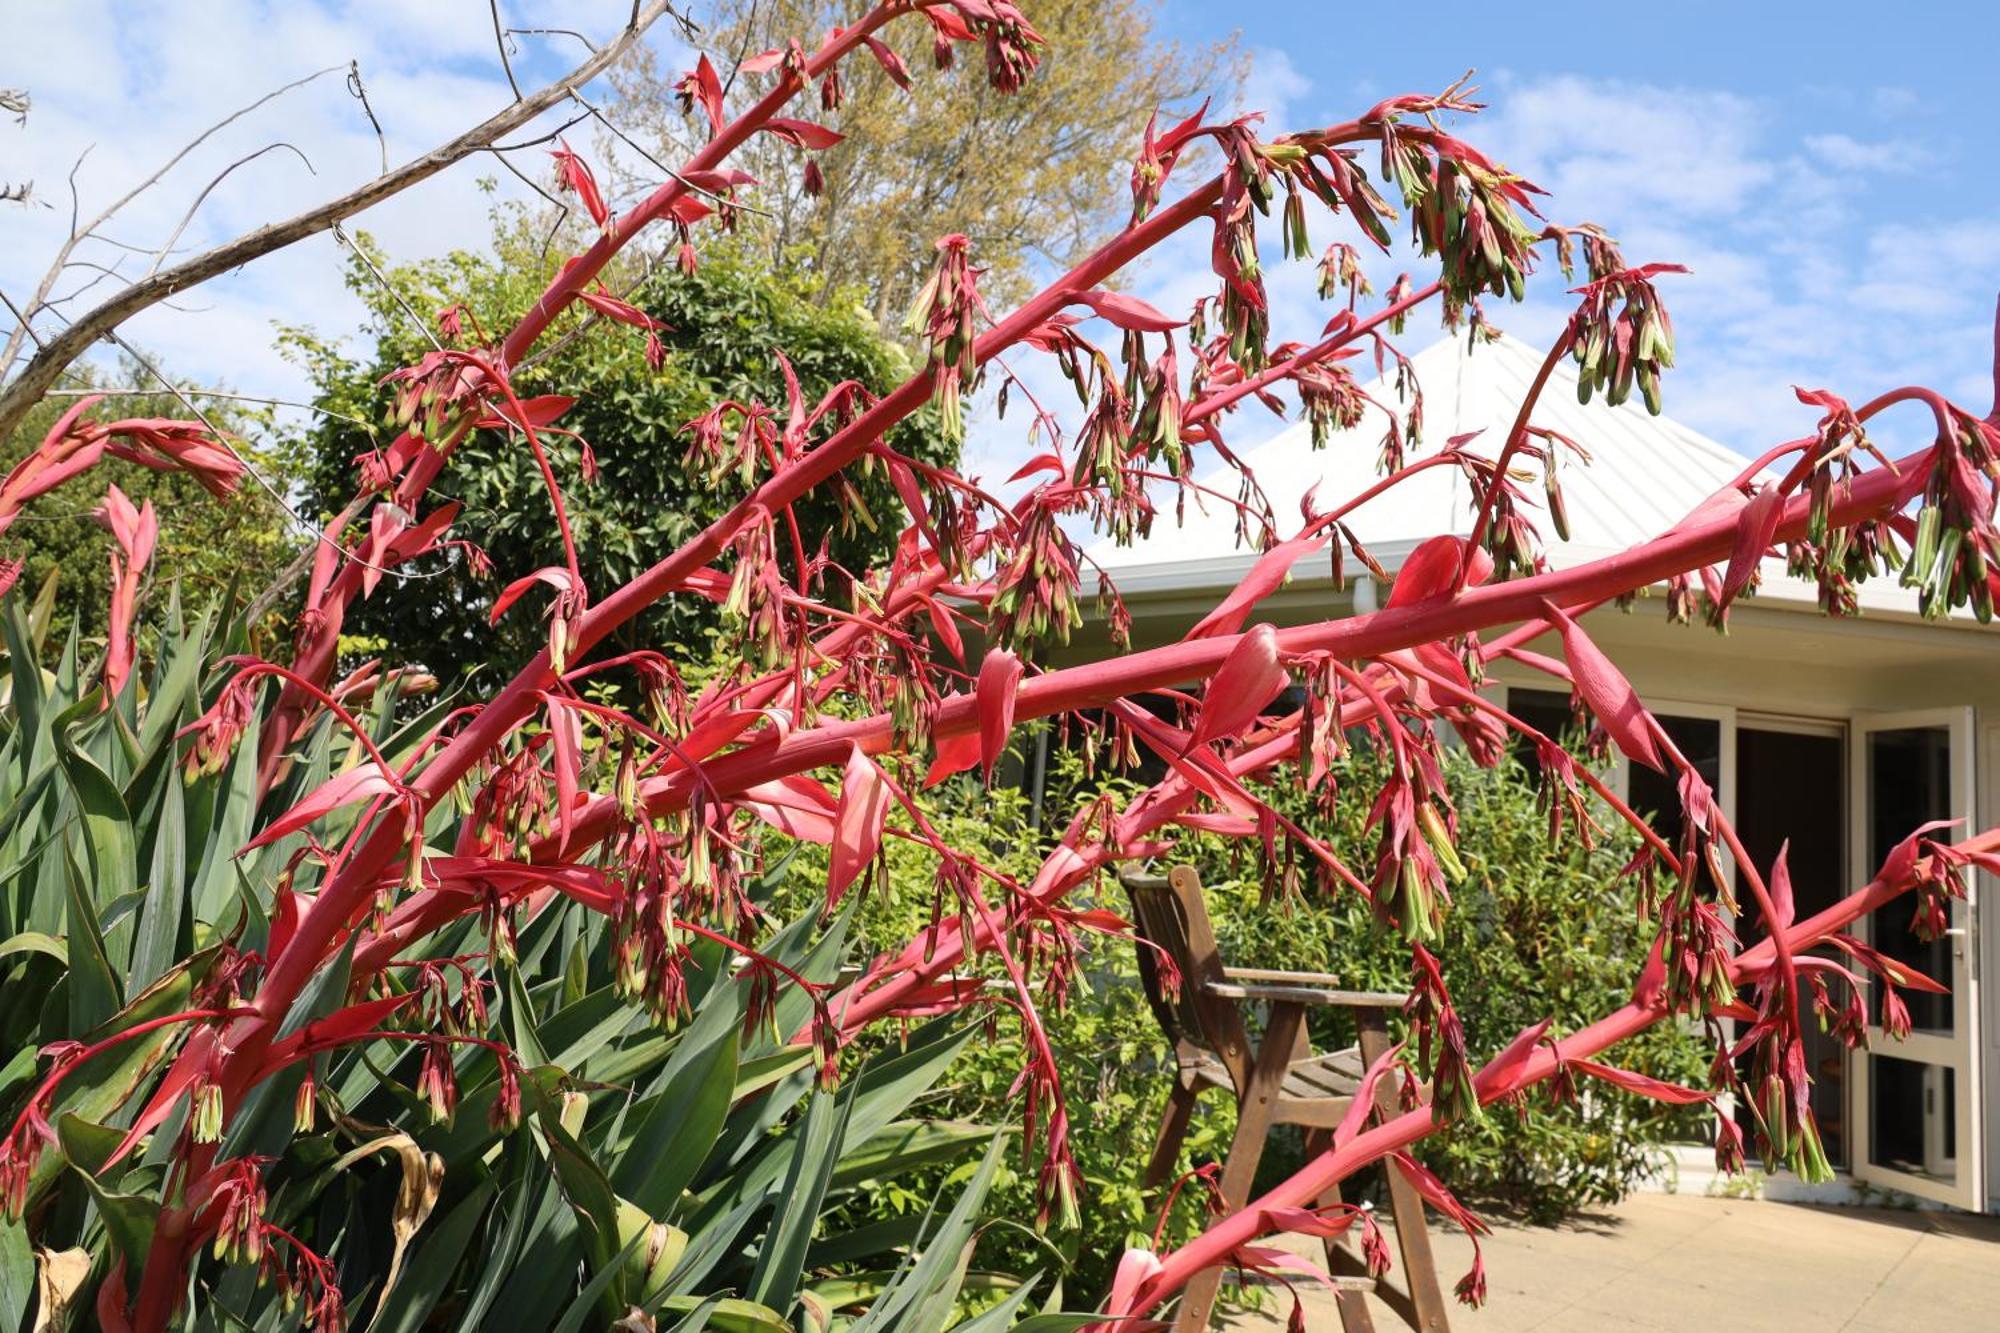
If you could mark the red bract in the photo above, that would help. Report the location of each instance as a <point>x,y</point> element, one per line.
<point>1755,529</point>
<point>1439,567</point>
<point>134,531</point>
<point>1266,577</point>
<point>1129,312</point>
<point>573,176</point>
<point>702,87</point>
<point>1249,678</point>
<point>857,826</point>
<point>999,678</point>
<point>803,133</point>
<point>1606,692</point>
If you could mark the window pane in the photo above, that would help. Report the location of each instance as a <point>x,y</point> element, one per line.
<point>1657,795</point>
<point>1909,784</point>
<point>1792,788</point>
<point>1912,1117</point>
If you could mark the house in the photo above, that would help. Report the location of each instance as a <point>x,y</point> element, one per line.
<point>1840,735</point>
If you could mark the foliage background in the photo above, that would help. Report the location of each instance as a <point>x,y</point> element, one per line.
<point>206,543</point>
<point>1534,932</point>
<point>727,323</point>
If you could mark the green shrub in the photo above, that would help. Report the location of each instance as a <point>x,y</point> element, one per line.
<point>727,325</point>
<point>1535,932</point>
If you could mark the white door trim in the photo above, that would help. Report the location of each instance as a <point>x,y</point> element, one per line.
<point>1961,1049</point>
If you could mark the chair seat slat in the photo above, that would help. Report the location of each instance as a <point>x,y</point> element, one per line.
<point>1350,999</point>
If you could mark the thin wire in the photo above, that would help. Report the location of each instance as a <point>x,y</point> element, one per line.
<point>277,497</point>
<point>340,234</point>
<point>135,392</point>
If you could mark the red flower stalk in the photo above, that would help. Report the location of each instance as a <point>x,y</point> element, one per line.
<point>877,686</point>
<point>573,176</point>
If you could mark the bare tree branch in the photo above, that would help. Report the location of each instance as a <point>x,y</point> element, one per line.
<point>80,231</point>
<point>46,366</point>
<point>500,40</point>
<point>359,92</point>
<point>21,320</point>
<point>208,189</point>
<point>556,32</point>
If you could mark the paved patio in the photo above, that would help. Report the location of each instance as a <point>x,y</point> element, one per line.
<point>1687,1262</point>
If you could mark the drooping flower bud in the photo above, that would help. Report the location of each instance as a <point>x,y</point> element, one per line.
<point>205,1120</point>
<point>305,1103</point>
<point>437,1082</point>
<point>505,1114</point>
<point>944,313</point>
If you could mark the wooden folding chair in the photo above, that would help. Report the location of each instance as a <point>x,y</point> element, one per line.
<point>1279,1081</point>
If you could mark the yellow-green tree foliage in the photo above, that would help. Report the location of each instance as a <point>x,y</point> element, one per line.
<point>1034,177</point>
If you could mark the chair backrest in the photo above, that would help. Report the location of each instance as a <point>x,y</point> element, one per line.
<point>1172,923</point>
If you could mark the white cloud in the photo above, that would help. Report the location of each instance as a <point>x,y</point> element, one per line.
<point>1601,147</point>
<point>1847,153</point>
<point>1272,86</point>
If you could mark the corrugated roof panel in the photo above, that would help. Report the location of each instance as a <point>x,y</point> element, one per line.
<point>1646,474</point>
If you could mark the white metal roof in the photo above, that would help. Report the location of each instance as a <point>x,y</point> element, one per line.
<point>1646,474</point>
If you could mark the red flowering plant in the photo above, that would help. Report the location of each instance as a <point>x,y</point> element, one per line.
<point>547,898</point>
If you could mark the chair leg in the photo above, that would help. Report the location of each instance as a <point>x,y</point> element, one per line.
<point>1173,1131</point>
<point>1253,1124</point>
<point>1352,1303</point>
<point>1406,1206</point>
<point>1355,1317</point>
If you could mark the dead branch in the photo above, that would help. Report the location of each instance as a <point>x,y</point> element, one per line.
<point>61,350</point>
<point>79,230</point>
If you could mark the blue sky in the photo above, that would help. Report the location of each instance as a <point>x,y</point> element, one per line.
<point>1821,168</point>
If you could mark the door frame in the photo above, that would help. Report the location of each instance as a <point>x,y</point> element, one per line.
<point>1960,1051</point>
<point>1839,730</point>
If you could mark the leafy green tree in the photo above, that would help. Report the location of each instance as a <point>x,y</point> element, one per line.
<point>726,325</point>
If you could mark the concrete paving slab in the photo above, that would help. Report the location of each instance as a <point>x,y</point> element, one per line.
<point>1715,1265</point>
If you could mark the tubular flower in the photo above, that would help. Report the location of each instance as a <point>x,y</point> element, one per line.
<point>944,314</point>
